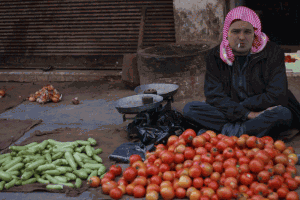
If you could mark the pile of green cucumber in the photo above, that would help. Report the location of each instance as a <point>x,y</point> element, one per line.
<point>51,162</point>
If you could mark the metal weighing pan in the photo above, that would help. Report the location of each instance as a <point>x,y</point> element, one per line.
<point>134,104</point>
<point>164,90</point>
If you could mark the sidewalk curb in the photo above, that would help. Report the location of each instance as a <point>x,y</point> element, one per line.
<point>58,75</point>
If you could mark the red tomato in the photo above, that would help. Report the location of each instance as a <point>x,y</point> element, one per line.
<point>263,176</point>
<point>94,181</point>
<point>218,166</point>
<point>152,170</point>
<point>224,193</point>
<point>222,145</point>
<point>279,145</point>
<point>180,193</point>
<point>109,175</point>
<point>116,170</point>
<point>291,183</point>
<point>207,158</point>
<point>206,169</point>
<point>279,169</point>
<point>178,158</point>
<point>267,139</point>
<point>244,168</point>
<point>164,167</point>
<point>167,157</point>
<point>246,179</point>
<point>274,182</point>
<point>189,153</point>
<point>194,171</point>
<point>106,187</point>
<point>256,165</point>
<point>130,174</point>
<point>262,155</point>
<point>261,189</point>
<point>292,195</point>
<point>140,180</point>
<point>214,151</point>
<point>134,157</point>
<point>139,191</point>
<point>198,182</point>
<point>116,193</point>
<point>228,153</point>
<point>154,187</point>
<point>198,141</point>
<point>282,192</point>
<point>172,139</point>
<point>188,135</point>
<point>231,171</point>
<point>251,142</point>
<point>156,180</point>
<point>168,176</point>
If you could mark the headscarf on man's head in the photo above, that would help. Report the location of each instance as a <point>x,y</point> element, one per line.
<point>245,14</point>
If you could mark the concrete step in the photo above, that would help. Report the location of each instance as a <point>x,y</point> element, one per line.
<point>58,75</point>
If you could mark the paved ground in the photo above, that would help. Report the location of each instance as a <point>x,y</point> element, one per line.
<point>96,109</point>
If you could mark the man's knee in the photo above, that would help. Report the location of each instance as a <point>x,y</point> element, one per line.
<point>189,106</point>
<point>284,114</point>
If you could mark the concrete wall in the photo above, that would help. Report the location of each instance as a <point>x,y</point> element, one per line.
<point>196,20</point>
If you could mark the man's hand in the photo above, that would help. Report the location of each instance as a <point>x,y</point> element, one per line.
<point>252,115</point>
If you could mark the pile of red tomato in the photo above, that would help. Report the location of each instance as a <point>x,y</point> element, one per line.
<point>210,166</point>
<point>289,59</point>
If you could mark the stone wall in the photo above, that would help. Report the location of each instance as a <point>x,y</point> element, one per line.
<point>199,19</point>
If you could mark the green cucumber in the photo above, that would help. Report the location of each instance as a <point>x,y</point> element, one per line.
<point>89,150</point>
<point>35,165</point>
<point>10,184</point>
<point>54,172</point>
<point>51,179</point>
<point>81,174</point>
<point>83,156</point>
<point>54,187</point>
<point>40,180</point>
<point>78,183</point>
<point>58,155</point>
<point>101,170</point>
<point>26,175</point>
<point>2,185</point>
<point>5,176</point>
<point>92,166</point>
<point>29,181</point>
<point>71,176</point>
<point>16,167</point>
<point>83,143</point>
<point>13,163</point>
<point>46,167</point>
<point>63,150</point>
<point>68,184</point>
<point>18,148</point>
<point>87,170</point>
<point>92,141</point>
<point>69,157</point>
<point>94,173</point>
<point>61,179</point>
<point>97,158</point>
<point>16,173</point>
<point>90,161</point>
<point>97,151</point>
<point>60,162</point>
<point>48,157</point>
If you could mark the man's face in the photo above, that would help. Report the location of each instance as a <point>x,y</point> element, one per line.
<point>241,32</point>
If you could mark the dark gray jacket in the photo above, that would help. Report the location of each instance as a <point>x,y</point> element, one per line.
<point>266,84</point>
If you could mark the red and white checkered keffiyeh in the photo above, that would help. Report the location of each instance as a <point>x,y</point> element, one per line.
<point>245,14</point>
